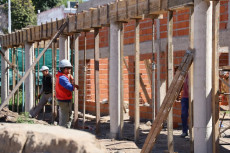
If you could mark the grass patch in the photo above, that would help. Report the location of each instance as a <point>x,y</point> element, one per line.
<point>24,118</point>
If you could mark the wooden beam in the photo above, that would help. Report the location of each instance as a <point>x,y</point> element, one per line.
<point>121,80</point>
<point>13,77</point>
<point>122,11</point>
<point>191,122</point>
<point>76,77</point>
<point>137,80</point>
<point>84,79</point>
<point>148,70</point>
<point>215,76</point>
<point>170,78</point>
<point>96,78</point>
<point>171,95</point>
<point>181,4</point>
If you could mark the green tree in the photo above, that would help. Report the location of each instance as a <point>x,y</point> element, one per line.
<point>22,14</point>
<point>44,5</point>
<point>3,2</point>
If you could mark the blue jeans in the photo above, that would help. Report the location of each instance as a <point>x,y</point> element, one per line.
<point>184,114</point>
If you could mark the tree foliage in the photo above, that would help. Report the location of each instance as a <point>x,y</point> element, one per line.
<point>44,5</point>
<point>22,14</point>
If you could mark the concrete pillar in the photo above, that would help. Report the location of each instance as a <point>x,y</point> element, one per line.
<point>29,82</point>
<point>63,47</point>
<point>202,76</point>
<point>4,71</point>
<point>114,79</point>
<point>161,84</point>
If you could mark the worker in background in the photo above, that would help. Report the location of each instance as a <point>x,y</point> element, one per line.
<point>45,92</point>
<point>64,87</point>
<point>184,108</point>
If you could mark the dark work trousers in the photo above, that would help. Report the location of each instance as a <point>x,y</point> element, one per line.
<point>184,114</point>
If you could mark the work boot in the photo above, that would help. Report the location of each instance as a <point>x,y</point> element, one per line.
<point>183,135</point>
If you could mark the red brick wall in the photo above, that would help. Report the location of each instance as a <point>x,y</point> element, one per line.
<point>180,28</point>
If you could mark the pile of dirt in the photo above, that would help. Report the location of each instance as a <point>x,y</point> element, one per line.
<point>29,138</point>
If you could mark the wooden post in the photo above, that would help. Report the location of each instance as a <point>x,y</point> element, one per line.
<point>170,78</point>
<point>13,76</point>
<point>23,85</point>
<point>191,41</point>
<point>153,72</point>
<point>84,84</point>
<point>121,81</point>
<point>53,83</point>
<point>44,56</point>
<point>38,73</point>
<point>96,78</point>
<point>17,82</point>
<point>34,77</point>
<point>76,74</point>
<point>215,76</point>
<point>137,80</point>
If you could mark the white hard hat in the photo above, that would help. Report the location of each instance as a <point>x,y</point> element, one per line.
<point>64,63</point>
<point>44,68</point>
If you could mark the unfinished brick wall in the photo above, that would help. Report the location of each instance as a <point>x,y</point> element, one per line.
<point>180,28</point>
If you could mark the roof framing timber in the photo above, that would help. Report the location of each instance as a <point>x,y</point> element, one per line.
<point>121,11</point>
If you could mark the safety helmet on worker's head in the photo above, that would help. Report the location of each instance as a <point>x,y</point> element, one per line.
<point>44,68</point>
<point>64,63</point>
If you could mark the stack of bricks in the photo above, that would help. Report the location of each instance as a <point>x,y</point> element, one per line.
<point>181,28</point>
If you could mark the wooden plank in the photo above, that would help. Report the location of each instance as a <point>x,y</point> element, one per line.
<point>3,104</point>
<point>175,4</point>
<point>171,95</point>
<point>18,37</point>
<point>191,41</point>
<point>76,77</point>
<point>132,8</point>
<point>11,39</point>
<point>137,80</point>
<point>95,18</point>
<point>87,20</point>
<point>121,80</point>
<point>96,78</point>
<point>153,66</point>
<point>154,6</point>
<point>122,11</point>
<point>13,76</point>
<point>143,7</point>
<point>215,77</point>
<point>54,81</point>
<point>104,15</point>
<point>29,35</point>
<point>170,78</point>
<point>37,33</point>
<point>84,79</point>
<point>144,90</point>
<point>49,29</point>
<point>79,22</point>
<point>113,16</point>
<point>72,24</point>
<point>43,31</point>
<point>148,70</point>
<point>54,27</point>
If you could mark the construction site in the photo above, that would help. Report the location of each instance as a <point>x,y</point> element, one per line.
<point>130,60</point>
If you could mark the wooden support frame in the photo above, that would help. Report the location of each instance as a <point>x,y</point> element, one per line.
<point>215,76</point>
<point>96,78</point>
<point>76,79</point>
<point>137,80</point>
<point>121,80</point>
<point>3,104</point>
<point>191,41</point>
<point>84,81</point>
<point>170,78</point>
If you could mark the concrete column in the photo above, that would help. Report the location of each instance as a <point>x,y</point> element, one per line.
<point>114,79</point>
<point>29,82</point>
<point>63,47</point>
<point>202,77</point>
<point>161,84</point>
<point>4,75</point>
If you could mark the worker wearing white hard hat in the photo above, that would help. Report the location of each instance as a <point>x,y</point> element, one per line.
<point>45,92</point>
<point>64,88</point>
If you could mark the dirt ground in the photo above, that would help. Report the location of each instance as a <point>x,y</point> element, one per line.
<point>127,145</point>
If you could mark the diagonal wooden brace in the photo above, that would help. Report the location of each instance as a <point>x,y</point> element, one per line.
<point>171,95</point>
